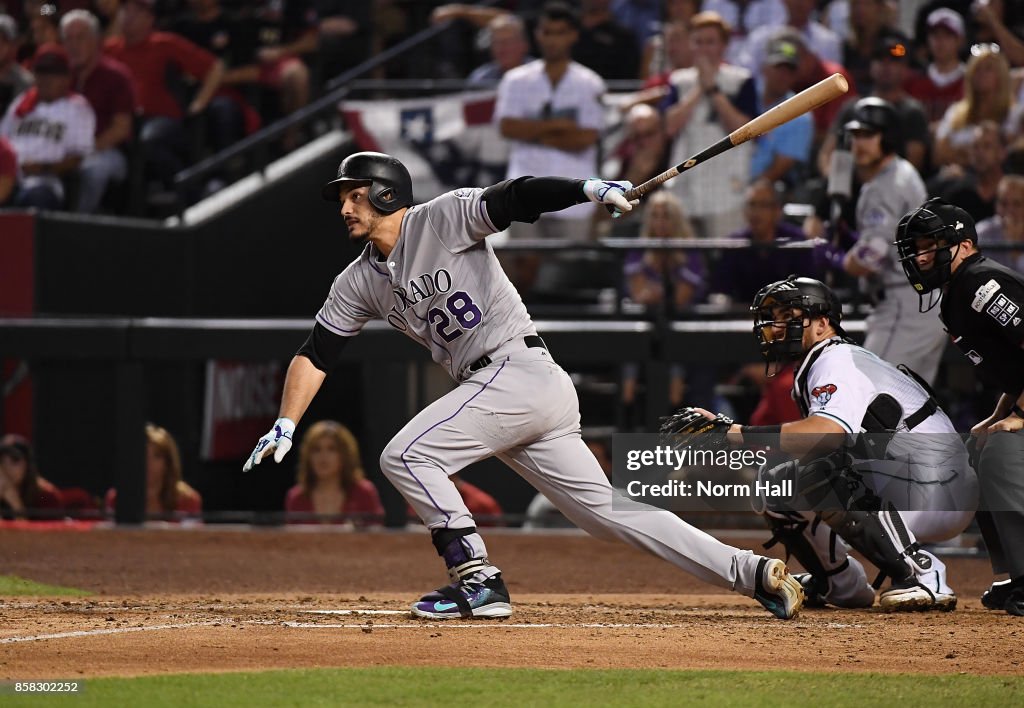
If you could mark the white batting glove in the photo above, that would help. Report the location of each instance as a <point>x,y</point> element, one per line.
<point>278,441</point>
<point>611,195</point>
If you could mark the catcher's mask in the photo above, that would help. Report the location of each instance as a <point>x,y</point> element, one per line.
<point>937,228</point>
<point>808,299</point>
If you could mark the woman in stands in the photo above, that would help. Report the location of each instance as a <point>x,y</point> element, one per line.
<point>23,493</point>
<point>168,496</point>
<point>331,485</point>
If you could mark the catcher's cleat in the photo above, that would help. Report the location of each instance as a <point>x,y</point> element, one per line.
<point>814,590</point>
<point>777,590</point>
<point>466,599</point>
<point>998,593</point>
<point>911,596</point>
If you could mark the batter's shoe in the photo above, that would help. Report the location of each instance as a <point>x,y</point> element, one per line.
<point>776,589</point>
<point>911,596</point>
<point>466,599</point>
<point>999,592</point>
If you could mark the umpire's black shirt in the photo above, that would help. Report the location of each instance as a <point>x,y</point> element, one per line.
<point>983,310</point>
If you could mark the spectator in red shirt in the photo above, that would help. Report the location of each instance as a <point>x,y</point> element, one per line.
<point>168,496</point>
<point>23,493</point>
<point>331,481</point>
<point>942,83</point>
<point>107,84</point>
<point>8,171</point>
<point>150,55</point>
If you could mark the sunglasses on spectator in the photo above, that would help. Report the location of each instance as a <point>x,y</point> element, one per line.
<point>984,48</point>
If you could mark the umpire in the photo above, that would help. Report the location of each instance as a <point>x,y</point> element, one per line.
<point>981,303</point>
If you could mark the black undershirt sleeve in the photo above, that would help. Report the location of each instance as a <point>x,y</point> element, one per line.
<point>526,198</point>
<point>323,347</point>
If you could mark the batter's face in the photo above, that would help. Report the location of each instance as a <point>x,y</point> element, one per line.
<point>866,147</point>
<point>360,216</point>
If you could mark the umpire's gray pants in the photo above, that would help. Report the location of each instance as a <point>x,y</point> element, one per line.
<point>524,409</point>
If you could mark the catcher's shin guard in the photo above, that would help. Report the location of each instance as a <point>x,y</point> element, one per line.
<point>884,540</point>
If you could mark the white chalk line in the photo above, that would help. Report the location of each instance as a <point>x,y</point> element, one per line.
<point>111,630</point>
<point>480,624</point>
<point>354,612</point>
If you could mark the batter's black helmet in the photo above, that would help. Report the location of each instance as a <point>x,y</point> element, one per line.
<point>936,226</point>
<point>389,182</point>
<point>878,116</point>
<point>812,297</point>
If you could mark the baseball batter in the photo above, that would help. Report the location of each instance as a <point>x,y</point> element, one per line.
<point>913,464</point>
<point>429,273</point>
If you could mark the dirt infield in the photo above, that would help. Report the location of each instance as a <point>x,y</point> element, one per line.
<point>223,600</point>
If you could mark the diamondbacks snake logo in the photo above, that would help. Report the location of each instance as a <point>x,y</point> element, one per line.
<point>823,394</point>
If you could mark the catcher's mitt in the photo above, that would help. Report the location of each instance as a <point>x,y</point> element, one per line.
<point>697,430</point>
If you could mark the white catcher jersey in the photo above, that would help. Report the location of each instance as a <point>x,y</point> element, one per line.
<point>839,380</point>
<point>442,285</point>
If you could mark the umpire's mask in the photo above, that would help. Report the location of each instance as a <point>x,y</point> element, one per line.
<point>935,228</point>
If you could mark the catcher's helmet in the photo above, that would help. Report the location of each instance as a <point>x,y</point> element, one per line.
<point>812,297</point>
<point>878,116</point>
<point>389,182</point>
<point>938,225</point>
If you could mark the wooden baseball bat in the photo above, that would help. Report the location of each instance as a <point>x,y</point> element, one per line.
<point>807,100</point>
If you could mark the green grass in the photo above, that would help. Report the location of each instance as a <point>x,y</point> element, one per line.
<point>401,686</point>
<point>13,585</point>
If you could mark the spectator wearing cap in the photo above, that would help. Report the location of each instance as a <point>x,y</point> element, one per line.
<point>810,70</point>
<point>942,83</point>
<point>888,76</point>
<point>715,98</point>
<point>14,78</point>
<point>151,56</point>
<point>779,153</point>
<point>107,84</point>
<point>23,493</point>
<point>51,130</point>
<point>869,21</point>
<point>818,38</point>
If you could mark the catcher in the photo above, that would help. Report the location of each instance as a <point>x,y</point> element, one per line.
<point>914,483</point>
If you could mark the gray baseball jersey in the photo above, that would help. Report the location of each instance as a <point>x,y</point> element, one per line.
<point>441,285</point>
<point>896,330</point>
